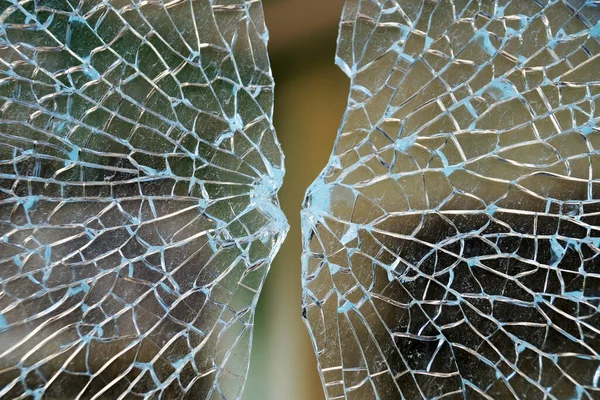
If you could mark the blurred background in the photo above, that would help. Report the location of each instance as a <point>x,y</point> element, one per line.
<point>310,98</point>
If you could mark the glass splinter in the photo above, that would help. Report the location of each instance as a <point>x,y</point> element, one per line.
<point>451,244</point>
<point>138,213</point>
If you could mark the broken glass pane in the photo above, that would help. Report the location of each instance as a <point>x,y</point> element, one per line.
<point>451,244</point>
<point>138,210</point>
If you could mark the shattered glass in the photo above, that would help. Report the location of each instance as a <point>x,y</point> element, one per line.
<point>451,243</point>
<point>138,213</point>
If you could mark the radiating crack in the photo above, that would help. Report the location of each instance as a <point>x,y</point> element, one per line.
<point>451,243</point>
<point>138,213</point>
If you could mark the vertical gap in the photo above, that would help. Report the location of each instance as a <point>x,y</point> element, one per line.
<point>310,97</point>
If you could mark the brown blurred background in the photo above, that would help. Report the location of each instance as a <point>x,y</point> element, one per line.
<point>310,98</point>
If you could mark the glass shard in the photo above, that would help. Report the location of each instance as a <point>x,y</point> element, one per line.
<point>138,211</point>
<point>451,244</point>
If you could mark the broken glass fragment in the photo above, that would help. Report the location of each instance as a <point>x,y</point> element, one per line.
<point>451,244</point>
<point>138,210</point>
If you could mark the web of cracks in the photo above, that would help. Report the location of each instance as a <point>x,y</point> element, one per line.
<point>139,169</point>
<point>451,242</point>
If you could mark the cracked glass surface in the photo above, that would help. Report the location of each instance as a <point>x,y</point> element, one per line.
<point>138,211</point>
<point>451,242</point>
